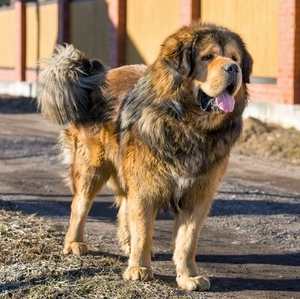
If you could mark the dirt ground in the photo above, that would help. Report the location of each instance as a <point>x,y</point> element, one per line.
<point>269,141</point>
<point>249,247</point>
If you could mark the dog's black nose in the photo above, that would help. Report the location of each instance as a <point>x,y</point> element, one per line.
<point>231,68</point>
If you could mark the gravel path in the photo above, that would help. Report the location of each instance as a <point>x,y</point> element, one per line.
<point>250,245</point>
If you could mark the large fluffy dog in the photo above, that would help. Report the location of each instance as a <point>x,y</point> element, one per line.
<point>160,136</point>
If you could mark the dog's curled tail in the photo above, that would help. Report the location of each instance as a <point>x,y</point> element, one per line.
<point>70,87</point>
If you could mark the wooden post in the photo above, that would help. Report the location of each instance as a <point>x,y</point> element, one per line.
<point>189,11</point>
<point>117,31</point>
<point>20,68</point>
<point>63,21</point>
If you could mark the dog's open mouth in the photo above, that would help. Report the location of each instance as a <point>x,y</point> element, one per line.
<point>224,102</point>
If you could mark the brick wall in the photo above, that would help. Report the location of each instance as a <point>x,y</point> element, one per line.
<point>286,72</point>
<point>287,89</point>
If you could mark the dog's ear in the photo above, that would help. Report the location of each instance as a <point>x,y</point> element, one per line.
<point>92,66</point>
<point>97,65</point>
<point>181,58</point>
<point>247,64</point>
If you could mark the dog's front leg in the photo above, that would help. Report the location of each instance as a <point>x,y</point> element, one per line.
<point>187,229</point>
<point>141,216</point>
<point>188,222</point>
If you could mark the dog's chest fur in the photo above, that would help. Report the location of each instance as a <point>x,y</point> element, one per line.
<point>181,186</point>
<point>188,151</point>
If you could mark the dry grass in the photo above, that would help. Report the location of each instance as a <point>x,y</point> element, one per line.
<point>32,266</point>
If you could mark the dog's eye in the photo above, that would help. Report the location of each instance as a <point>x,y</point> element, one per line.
<point>234,58</point>
<point>207,57</point>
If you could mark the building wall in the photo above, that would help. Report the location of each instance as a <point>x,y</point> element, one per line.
<point>99,28</point>
<point>256,21</point>
<point>89,28</point>
<point>149,22</point>
<point>40,48</point>
<point>7,37</point>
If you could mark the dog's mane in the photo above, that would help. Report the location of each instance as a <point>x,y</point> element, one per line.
<point>161,110</point>
<point>181,134</point>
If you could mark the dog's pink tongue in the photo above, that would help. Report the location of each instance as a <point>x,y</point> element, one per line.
<point>225,102</point>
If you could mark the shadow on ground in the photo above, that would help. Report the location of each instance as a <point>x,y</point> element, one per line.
<point>288,259</point>
<point>225,207</point>
<point>19,105</point>
<point>105,211</point>
<point>225,284</point>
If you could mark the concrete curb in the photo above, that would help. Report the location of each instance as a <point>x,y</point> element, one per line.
<point>15,88</point>
<point>282,114</point>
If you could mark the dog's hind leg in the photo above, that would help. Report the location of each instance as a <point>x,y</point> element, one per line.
<point>87,178</point>
<point>88,182</point>
<point>123,224</point>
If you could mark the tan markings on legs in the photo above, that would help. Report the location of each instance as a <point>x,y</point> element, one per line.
<point>86,187</point>
<point>188,224</point>
<point>185,250</point>
<point>141,219</point>
<point>121,202</point>
<point>88,172</point>
<point>123,226</point>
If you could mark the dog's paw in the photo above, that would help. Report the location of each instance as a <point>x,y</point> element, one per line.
<point>194,283</point>
<point>77,248</point>
<point>138,273</point>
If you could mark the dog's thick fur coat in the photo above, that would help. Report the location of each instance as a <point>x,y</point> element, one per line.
<point>153,134</point>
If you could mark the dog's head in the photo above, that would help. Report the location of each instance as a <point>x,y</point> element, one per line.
<point>214,60</point>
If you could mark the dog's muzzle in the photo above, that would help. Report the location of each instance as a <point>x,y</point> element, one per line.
<point>232,71</point>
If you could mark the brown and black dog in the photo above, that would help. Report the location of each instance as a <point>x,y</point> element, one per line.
<point>160,136</point>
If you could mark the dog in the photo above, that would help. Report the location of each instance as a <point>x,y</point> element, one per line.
<point>159,136</point>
